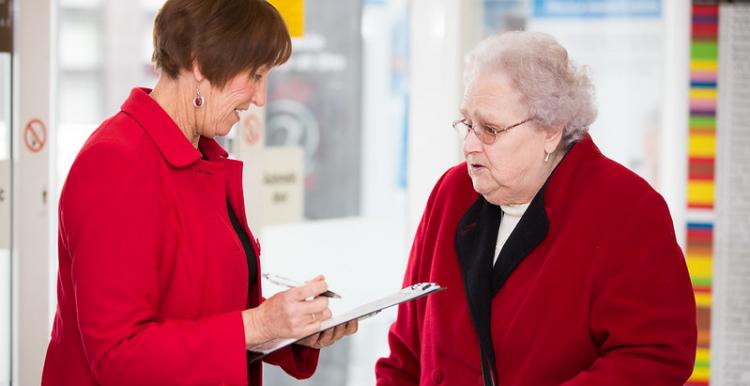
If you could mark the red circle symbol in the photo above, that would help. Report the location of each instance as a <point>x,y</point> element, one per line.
<point>35,135</point>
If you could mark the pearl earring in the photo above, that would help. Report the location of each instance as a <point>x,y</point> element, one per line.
<point>546,156</point>
<point>198,100</point>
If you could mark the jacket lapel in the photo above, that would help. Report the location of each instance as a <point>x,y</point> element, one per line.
<point>476,237</point>
<point>475,245</point>
<point>528,234</point>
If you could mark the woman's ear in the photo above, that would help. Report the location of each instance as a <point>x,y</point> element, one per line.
<point>552,139</point>
<point>196,70</point>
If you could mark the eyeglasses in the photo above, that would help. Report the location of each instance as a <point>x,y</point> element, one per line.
<point>485,134</point>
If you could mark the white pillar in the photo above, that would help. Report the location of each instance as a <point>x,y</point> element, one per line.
<point>442,32</point>
<point>32,88</point>
<point>673,141</point>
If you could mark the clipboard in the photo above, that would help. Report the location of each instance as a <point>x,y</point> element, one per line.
<point>362,312</point>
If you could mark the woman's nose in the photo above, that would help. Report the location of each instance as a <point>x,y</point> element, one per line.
<point>472,143</point>
<point>259,98</point>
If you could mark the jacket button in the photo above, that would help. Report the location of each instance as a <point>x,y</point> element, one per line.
<point>438,376</point>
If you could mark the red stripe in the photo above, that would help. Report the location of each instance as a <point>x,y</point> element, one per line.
<point>700,206</point>
<point>700,175</point>
<point>699,236</point>
<point>706,10</point>
<point>702,161</point>
<point>705,31</point>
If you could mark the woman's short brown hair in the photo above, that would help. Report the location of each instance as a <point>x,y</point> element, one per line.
<point>225,37</point>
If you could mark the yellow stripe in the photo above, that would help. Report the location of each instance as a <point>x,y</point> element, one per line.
<point>700,374</point>
<point>702,145</point>
<point>703,94</point>
<point>702,355</point>
<point>704,65</point>
<point>700,192</point>
<point>700,267</point>
<point>703,299</point>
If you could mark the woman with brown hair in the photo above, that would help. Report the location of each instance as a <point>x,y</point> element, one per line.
<point>158,270</point>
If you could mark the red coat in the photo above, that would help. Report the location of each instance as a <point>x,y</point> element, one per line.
<point>594,289</point>
<point>152,276</point>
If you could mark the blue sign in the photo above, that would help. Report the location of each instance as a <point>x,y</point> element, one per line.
<point>596,9</point>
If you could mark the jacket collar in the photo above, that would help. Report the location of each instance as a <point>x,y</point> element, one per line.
<point>172,143</point>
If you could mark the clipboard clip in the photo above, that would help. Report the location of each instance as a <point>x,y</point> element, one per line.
<point>421,286</point>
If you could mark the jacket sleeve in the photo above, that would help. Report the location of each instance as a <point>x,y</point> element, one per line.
<point>643,315</point>
<point>402,366</point>
<point>113,224</point>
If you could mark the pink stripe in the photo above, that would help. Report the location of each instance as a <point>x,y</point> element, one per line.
<point>703,76</point>
<point>702,105</point>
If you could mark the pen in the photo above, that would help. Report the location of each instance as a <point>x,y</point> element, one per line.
<point>289,283</point>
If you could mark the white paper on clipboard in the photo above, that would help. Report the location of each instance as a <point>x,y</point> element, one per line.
<point>360,313</point>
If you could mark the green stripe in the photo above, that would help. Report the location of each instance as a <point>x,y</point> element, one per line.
<point>704,50</point>
<point>702,364</point>
<point>701,281</point>
<point>703,122</point>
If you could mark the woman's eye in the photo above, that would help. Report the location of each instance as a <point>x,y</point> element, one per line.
<point>492,130</point>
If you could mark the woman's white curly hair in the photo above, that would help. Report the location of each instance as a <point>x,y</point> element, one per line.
<point>556,92</point>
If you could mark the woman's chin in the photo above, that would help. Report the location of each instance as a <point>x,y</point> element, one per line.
<point>480,186</point>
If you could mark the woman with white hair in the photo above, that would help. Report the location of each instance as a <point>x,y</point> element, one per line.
<point>561,265</point>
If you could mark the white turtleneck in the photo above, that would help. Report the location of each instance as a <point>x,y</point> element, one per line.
<point>511,216</point>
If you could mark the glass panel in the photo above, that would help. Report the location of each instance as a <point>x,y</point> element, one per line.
<point>343,98</point>
<point>5,219</point>
<point>94,76</point>
<point>79,41</point>
<point>625,60</point>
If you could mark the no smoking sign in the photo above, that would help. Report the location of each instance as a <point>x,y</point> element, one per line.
<point>35,135</point>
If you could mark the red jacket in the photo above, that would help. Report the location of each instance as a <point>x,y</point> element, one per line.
<point>152,276</point>
<point>593,288</point>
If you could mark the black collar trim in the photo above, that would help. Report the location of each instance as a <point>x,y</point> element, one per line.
<point>476,237</point>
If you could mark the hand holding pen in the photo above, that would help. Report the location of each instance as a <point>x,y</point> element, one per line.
<point>294,313</point>
<point>289,283</point>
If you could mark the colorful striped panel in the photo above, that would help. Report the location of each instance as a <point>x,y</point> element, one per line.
<point>704,69</point>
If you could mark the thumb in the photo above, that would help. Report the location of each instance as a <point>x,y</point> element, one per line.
<point>317,278</point>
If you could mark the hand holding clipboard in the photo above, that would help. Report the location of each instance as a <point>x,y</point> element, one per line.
<point>362,312</point>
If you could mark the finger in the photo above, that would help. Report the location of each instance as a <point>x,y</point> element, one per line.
<point>317,306</point>
<point>317,278</point>
<point>324,315</point>
<point>327,337</point>
<point>311,341</point>
<point>311,328</point>
<point>352,327</point>
<point>309,290</point>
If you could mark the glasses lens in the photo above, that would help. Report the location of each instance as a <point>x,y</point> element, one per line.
<point>461,128</point>
<point>485,136</point>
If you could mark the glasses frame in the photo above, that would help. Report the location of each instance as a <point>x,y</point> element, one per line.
<point>486,135</point>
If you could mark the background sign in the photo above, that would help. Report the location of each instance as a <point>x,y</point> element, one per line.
<point>597,8</point>
<point>293,12</point>
<point>6,26</point>
<point>314,102</point>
